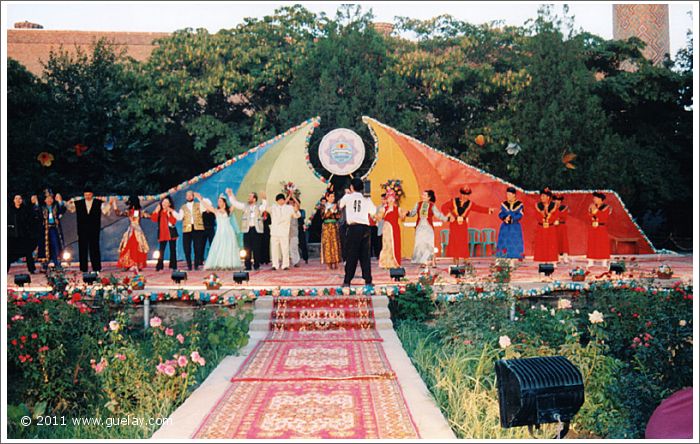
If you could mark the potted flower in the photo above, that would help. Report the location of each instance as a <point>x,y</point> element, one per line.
<point>501,270</point>
<point>212,282</point>
<point>578,274</point>
<point>138,282</point>
<point>664,271</point>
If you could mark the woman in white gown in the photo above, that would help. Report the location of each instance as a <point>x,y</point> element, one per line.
<point>424,246</point>
<point>224,253</point>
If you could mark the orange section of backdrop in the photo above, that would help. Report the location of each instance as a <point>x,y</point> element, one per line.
<point>421,167</point>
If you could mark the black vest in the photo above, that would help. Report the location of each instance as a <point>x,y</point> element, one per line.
<point>92,221</point>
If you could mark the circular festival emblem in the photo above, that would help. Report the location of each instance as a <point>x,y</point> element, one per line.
<point>341,151</point>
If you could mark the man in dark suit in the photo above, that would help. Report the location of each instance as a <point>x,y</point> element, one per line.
<point>89,213</point>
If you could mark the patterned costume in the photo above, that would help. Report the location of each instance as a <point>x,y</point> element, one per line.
<point>330,237</point>
<point>390,255</point>
<point>133,248</point>
<point>510,235</point>
<point>52,245</point>
<point>424,247</point>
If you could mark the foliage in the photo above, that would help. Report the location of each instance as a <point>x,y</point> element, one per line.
<point>414,304</point>
<point>71,359</point>
<point>632,345</point>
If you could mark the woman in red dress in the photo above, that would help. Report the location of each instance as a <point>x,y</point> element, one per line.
<point>458,210</point>
<point>133,248</point>
<point>546,245</point>
<point>562,234</point>
<point>390,256</point>
<point>598,239</point>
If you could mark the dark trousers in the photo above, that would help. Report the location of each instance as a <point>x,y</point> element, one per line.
<point>343,232</point>
<point>358,247</point>
<point>17,248</point>
<point>89,242</point>
<point>376,241</point>
<point>173,254</point>
<point>252,242</point>
<point>195,237</point>
<point>208,236</point>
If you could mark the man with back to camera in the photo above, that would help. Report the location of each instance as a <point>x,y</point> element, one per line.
<point>358,211</point>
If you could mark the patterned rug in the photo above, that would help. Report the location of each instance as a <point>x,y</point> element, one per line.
<point>323,381</point>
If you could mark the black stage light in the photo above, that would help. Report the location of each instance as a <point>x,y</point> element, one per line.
<point>240,276</point>
<point>90,277</point>
<point>534,391</point>
<point>547,269</point>
<point>457,271</point>
<point>22,279</point>
<point>178,276</point>
<point>617,267</point>
<point>397,273</point>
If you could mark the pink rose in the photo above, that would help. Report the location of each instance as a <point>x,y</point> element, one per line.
<point>169,332</point>
<point>156,322</point>
<point>169,370</point>
<point>195,356</point>
<point>182,361</point>
<point>180,338</point>
<point>113,325</point>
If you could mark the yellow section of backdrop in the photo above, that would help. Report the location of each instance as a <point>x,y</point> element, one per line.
<point>393,164</point>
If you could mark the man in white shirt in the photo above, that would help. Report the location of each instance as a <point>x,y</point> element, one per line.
<point>251,226</point>
<point>89,213</point>
<point>281,214</point>
<point>358,210</point>
<point>192,229</point>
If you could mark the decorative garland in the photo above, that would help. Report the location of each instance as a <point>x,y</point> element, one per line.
<point>315,121</point>
<point>366,119</point>
<point>519,293</point>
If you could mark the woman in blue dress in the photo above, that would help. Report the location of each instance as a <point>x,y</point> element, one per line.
<point>224,253</point>
<point>510,236</point>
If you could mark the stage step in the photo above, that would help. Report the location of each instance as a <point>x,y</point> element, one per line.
<point>264,324</point>
<point>266,302</point>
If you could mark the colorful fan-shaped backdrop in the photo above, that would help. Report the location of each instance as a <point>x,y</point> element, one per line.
<point>421,167</point>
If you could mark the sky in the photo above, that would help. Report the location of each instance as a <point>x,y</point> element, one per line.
<point>594,17</point>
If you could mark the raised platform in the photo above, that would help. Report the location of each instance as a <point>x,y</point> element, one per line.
<point>315,275</point>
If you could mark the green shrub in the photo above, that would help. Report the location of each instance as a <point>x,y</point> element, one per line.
<point>414,304</point>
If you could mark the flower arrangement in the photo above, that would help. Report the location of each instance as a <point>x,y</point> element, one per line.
<point>501,270</point>
<point>578,274</point>
<point>212,282</point>
<point>138,282</point>
<point>664,271</point>
<point>290,188</point>
<point>394,185</point>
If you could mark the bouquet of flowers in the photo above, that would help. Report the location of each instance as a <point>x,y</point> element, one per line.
<point>664,271</point>
<point>578,274</point>
<point>394,185</point>
<point>212,282</point>
<point>290,188</point>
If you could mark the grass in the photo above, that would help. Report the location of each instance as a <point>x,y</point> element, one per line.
<point>463,381</point>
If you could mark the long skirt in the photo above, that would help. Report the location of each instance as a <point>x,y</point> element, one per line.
<point>563,239</point>
<point>390,256</point>
<point>134,250</point>
<point>330,244</point>
<point>510,241</point>
<point>598,243</point>
<point>546,244</point>
<point>424,247</point>
<point>458,246</point>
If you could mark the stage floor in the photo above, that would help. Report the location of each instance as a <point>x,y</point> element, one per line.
<point>314,274</point>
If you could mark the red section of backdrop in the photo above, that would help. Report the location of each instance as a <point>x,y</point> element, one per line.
<point>446,175</point>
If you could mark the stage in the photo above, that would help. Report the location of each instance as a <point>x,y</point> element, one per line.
<point>315,275</point>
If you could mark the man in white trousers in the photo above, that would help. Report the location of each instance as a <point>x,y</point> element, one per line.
<point>281,215</point>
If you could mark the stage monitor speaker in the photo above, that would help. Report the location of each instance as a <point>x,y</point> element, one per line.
<point>534,391</point>
<point>397,273</point>
<point>22,279</point>
<point>457,271</point>
<point>240,276</point>
<point>90,277</point>
<point>178,276</point>
<point>547,269</point>
<point>617,267</point>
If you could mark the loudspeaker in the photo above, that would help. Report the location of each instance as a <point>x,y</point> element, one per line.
<point>240,276</point>
<point>547,269</point>
<point>397,273</point>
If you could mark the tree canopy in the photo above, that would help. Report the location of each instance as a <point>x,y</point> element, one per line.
<point>539,105</point>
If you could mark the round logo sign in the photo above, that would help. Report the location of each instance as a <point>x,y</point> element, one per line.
<point>341,151</point>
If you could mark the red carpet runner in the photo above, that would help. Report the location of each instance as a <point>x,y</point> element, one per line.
<point>320,373</point>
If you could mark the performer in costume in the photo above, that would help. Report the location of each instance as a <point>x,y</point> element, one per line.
<point>133,248</point>
<point>294,241</point>
<point>20,239</point>
<point>330,234</point>
<point>358,211</point>
<point>390,214</point>
<point>598,239</point>
<point>225,253</point>
<point>510,235</point>
<point>165,217</point>
<point>562,234</point>
<point>89,211</point>
<point>191,214</point>
<point>52,246</point>
<point>424,247</point>
<point>457,211</point>
<point>251,226</point>
<point>546,247</point>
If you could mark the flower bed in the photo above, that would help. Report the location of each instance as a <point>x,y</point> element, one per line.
<point>73,357</point>
<point>632,343</point>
